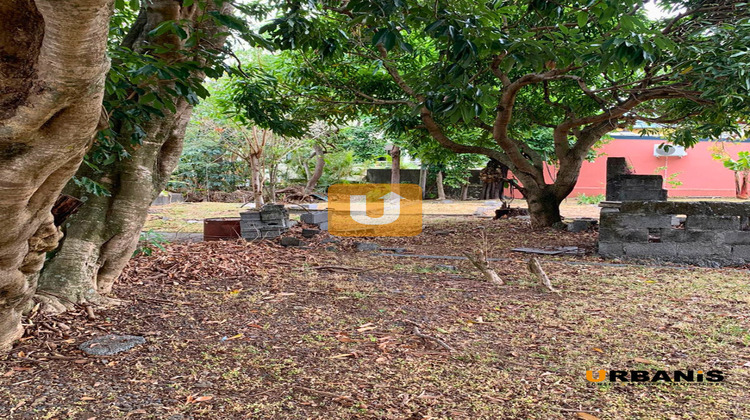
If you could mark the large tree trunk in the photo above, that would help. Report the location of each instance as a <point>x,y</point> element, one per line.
<point>51,87</point>
<point>320,163</point>
<point>395,165</point>
<point>544,206</point>
<point>102,236</point>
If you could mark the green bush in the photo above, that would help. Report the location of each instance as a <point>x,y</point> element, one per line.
<point>586,199</point>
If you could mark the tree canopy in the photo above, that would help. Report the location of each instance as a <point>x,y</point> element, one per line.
<point>580,69</point>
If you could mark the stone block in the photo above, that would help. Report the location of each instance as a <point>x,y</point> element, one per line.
<point>697,237</point>
<point>737,237</point>
<point>642,194</point>
<point>634,221</point>
<point>741,252</point>
<point>273,213</point>
<point>291,241</point>
<point>323,226</point>
<point>656,250</point>
<point>623,235</point>
<point>367,246</point>
<point>706,222</point>
<point>580,225</point>
<point>651,182</point>
<point>610,249</point>
<point>250,215</point>
<point>314,218</point>
<point>309,233</point>
<point>692,250</point>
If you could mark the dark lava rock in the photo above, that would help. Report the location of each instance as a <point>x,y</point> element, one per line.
<point>291,241</point>
<point>110,344</point>
<point>367,246</point>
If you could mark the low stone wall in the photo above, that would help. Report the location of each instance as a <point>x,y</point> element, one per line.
<point>701,232</point>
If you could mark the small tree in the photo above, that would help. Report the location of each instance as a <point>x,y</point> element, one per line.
<point>741,168</point>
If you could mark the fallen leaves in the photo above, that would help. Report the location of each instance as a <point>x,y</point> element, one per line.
<point>192,399</point>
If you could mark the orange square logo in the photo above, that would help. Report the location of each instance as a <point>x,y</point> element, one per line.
<point>375,210</point>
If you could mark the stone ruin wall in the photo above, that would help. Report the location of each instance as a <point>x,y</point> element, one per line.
<point>701,232</point>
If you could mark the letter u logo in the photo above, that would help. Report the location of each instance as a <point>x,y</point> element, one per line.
<point>601,375</point>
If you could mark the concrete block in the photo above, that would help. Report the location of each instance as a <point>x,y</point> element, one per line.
<point>634,221</point>
<point>314,218</point>
<point>610,249</point>
<point>641,194</point>
<point>651,182</point>
<point>693,250</point>
<point>657,250</point>
<point>250,215</point>
<point>623,235</point>
<point>741,252</point>
<point>705,222</point>
<point>697,237</point>
<point>323,226</point>
<point>737,237</point>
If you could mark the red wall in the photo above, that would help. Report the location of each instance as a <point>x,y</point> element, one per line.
<point>701,176</point>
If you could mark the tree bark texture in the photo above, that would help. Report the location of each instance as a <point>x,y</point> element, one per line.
<point>51,87</point>
<point>102,236</point>
<point>320,163</point>
<point>395,165</point>
<point>440,187</point>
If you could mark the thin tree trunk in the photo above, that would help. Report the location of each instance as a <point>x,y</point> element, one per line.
<point>423,179</point>
<point>101,237</point>
<point>741,184</point>
<point>272,183</point>
<point>257,182</point>
<point>52,82</point>
<point>320,164</point>
<point>440,188</point>
<point>465,192</point>
<point>395,165</point>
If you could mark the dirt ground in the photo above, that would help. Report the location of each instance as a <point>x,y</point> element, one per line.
<point>241,330</point>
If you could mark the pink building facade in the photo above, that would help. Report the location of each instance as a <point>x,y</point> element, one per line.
<point>695,175</point>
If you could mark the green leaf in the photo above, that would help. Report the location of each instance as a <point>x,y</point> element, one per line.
<point>583,18</point>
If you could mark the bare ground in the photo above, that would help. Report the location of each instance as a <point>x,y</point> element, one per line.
<point>254,330</point>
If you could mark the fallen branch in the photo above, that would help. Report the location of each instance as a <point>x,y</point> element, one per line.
<point>536,268</point>
<point>429,337</point>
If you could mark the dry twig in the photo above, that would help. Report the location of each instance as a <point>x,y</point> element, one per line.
<point>536,268</point>
<point>428,337</point>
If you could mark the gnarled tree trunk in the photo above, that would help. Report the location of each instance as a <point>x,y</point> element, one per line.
<point>101,237</point>
<point>51,87</point>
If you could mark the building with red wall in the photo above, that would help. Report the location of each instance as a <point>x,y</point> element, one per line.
<point>698,173</point>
